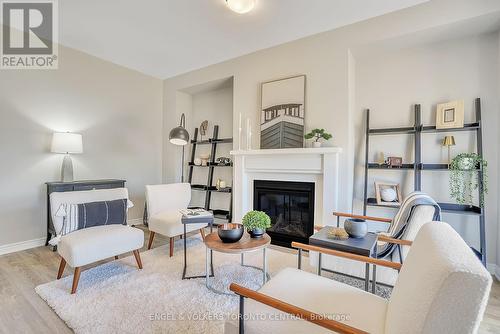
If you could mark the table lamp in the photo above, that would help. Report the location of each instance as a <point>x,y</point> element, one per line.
<point>448,142</point>
<point>180,136</point>
<point>67,143</point>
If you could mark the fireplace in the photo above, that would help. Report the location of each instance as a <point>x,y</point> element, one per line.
<point>291,208</point>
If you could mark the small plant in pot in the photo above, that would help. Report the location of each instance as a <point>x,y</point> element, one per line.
<point>256,223</point>
<point>318,134</point>
<point>465,178</point>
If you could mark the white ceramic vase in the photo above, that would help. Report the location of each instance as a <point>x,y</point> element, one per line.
<point>388,195</point>
<point>316,144</point>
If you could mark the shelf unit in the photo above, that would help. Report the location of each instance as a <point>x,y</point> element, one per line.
<point>209,188</point>
<point>417,166</point>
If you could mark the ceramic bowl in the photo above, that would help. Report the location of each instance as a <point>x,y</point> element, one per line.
<point>356,228</point>
<point>230,232</point>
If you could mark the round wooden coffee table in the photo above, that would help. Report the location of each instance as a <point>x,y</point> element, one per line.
<point>245,245</point>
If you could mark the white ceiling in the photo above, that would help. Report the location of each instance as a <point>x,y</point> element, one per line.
<point>164,38</point>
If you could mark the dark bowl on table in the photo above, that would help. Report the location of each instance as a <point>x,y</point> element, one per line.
<point>230,232</point>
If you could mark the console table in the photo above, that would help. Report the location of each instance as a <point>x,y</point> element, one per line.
<point>75,186</point>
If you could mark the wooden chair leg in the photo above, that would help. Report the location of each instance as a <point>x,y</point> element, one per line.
<point>151,237</point>
<point>76,278</point>
<point>202,232</point>
<point>138,258</point>
<point>61,268</point>
<point>172,247</point>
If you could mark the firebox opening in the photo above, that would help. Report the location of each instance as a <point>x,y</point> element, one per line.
<point>291,208</point>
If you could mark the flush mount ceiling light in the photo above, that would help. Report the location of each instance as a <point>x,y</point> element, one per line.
<point>241,6</point>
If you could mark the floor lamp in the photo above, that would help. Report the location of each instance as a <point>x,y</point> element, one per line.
<point>180,136</point>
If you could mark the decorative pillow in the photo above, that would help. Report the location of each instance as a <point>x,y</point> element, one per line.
<point>80,216</point>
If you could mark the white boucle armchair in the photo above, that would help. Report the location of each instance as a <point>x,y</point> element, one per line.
<point>164,202</point>
<point>90,245</point>
<point>442,288</point>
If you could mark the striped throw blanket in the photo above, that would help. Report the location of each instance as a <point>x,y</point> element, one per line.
<point>402,218</point>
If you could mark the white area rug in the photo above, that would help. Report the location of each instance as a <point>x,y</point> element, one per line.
<point>117,297</point>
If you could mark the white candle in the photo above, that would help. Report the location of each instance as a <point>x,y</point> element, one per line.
<point>239,134</point>
<point>250,139</point>
<point>249,134</point>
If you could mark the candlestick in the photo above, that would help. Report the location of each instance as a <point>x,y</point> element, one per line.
<point>249,134</point>
<point>239,134</point>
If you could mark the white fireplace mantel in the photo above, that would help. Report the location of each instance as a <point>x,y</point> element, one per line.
<point>289,151</point>
<point>317,165</point>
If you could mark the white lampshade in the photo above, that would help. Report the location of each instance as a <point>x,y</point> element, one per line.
<point>65,142</point>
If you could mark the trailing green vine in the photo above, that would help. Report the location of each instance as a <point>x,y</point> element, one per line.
<point>464,178</point>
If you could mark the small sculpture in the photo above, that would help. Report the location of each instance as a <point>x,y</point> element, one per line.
<point>203,129</point>
<point>204,159</point>
<point>223,161</point>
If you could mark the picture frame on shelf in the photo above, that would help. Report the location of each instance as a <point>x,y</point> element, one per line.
<point>450,115</point>
<point>388,194</point>
<point>394,162</point>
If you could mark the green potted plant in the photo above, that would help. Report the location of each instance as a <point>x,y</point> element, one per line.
<point>256,223</point>
<point>318,134</point>
<point>464,178</point>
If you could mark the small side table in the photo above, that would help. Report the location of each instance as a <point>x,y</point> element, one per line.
<point>244,245</point>
<point>196,220</point>
<point>366,246</point>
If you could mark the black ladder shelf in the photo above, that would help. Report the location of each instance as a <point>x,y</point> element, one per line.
<point>209,188</point>
<point>417,166</point>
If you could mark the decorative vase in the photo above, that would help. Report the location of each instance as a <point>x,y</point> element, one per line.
<point>257,232</point>
<point>388,195</point>
<point>356,228</point>
<point>316,144</point>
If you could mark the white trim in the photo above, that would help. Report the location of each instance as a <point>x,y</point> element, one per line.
<point>21,245</point>
<point>28,244</point>
<point>289,151</point>
<point>494,270</point>
<point>135,221</point>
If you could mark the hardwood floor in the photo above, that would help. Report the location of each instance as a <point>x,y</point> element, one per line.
<point>22,311</point>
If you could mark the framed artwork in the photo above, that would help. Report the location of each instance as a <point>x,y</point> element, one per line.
<point>394,162</point>
<point>450,115</point>
<point>282,113</point>
<point>388,194</point>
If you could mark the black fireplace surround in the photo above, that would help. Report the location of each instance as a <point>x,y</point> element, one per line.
<point>291,208</point>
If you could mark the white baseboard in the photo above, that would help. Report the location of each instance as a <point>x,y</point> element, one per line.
<point>22,245</point>
<point>494,270</point>
<point>135,222</point>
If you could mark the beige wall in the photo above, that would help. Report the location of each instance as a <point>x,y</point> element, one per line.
<point>117,110</point>
<point>330,64</point>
